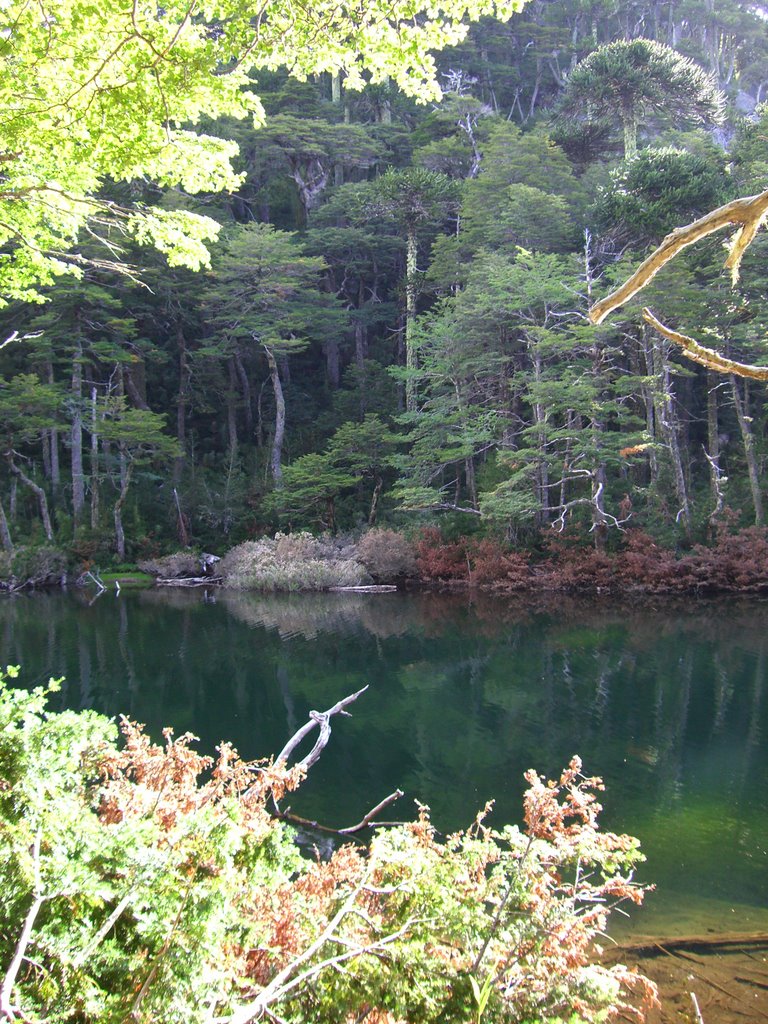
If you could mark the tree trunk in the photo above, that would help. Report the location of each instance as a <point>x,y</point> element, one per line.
<point>651,424</point>
<point>713,449</point>
<point>411,360</point>
<point>629,124</point>
<point>748,440</point>
<point>76,436</point>
<point>332,367</point>
<point>665,406</point>
<point>53,440</point>
<point>385,106</point>
<point>469,476</point>
<point>125,479</point>
<point>181,522</point>
<point>277,441</point>
<point>95,480</point>
<point>134,393</point>
<point>542,467</point>
<point>5,533</point>
<point>38,492</point>
<point>599,521</point>
<point>375,501</point>
<point>245,387</point>
<point>232,408</point>
<point>45,444</point>
<point>181,406</point>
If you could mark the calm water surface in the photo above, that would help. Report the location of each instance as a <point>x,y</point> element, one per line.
<point>667,702</point>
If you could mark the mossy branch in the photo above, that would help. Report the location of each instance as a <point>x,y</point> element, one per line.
<point>748,213</point>
<point>705,356</point>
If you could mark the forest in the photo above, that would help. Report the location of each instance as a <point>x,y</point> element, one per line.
<point>392,327</point>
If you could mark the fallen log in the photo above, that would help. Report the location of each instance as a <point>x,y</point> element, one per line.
<point>189,581</point>
<point>693,944</point>
<point>381,588</point>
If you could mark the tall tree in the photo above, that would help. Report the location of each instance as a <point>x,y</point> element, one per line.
<point>631,79</point>
<point>266,300</point>
<point>414,198</point>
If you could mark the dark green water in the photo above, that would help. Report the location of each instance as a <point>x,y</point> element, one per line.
<point>667,702</point>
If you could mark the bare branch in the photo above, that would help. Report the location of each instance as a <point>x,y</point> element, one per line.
<point>372,813</point>
<point>705,356</point>
<point>7,1010</point>
<point>321,719</point>
<point>748,213</point>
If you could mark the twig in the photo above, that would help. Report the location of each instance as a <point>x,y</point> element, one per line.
<point>309,823</point>
<point>105,929</point>
<point>372,813</point>
<point>695,1002</point>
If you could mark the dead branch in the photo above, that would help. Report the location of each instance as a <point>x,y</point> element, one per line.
<point>748,213</point>
<point>705,356</point>
<point>296,819</point>
<point>322,719</point>
<point>368,818</point>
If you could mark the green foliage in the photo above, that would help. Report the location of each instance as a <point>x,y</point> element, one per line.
<point>149,882</point>
<point>657,190</point>
<point>99,92</point>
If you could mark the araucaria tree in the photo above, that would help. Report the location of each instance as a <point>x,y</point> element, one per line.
<point>631,79</point>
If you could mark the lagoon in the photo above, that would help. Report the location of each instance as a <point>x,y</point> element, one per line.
<point>667,700</point>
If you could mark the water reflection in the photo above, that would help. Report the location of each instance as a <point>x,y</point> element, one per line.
<point>664,700</point>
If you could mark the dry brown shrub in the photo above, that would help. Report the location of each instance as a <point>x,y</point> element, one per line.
<point>179,565</point>
<point>387,555</point>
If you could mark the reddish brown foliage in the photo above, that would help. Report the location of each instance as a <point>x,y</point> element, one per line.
<point>469,559</point>
<point>737,561</point>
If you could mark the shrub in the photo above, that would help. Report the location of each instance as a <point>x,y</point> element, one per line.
<point>387,555</point>
<point>477,560</point>
<point>42,566</point>
<point>176,566</point>
<point>293,562</point>
<point>296,547</point>
<point>147,883</point>
<point>437,559</point>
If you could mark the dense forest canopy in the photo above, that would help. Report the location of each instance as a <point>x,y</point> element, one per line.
<point>399,228</point>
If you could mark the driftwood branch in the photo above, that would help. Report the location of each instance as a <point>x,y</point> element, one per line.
<point>747,214</point>
<point>705,356</point>
<point>321,719</point>
<point>368,818</point>
<point>189,581</point>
